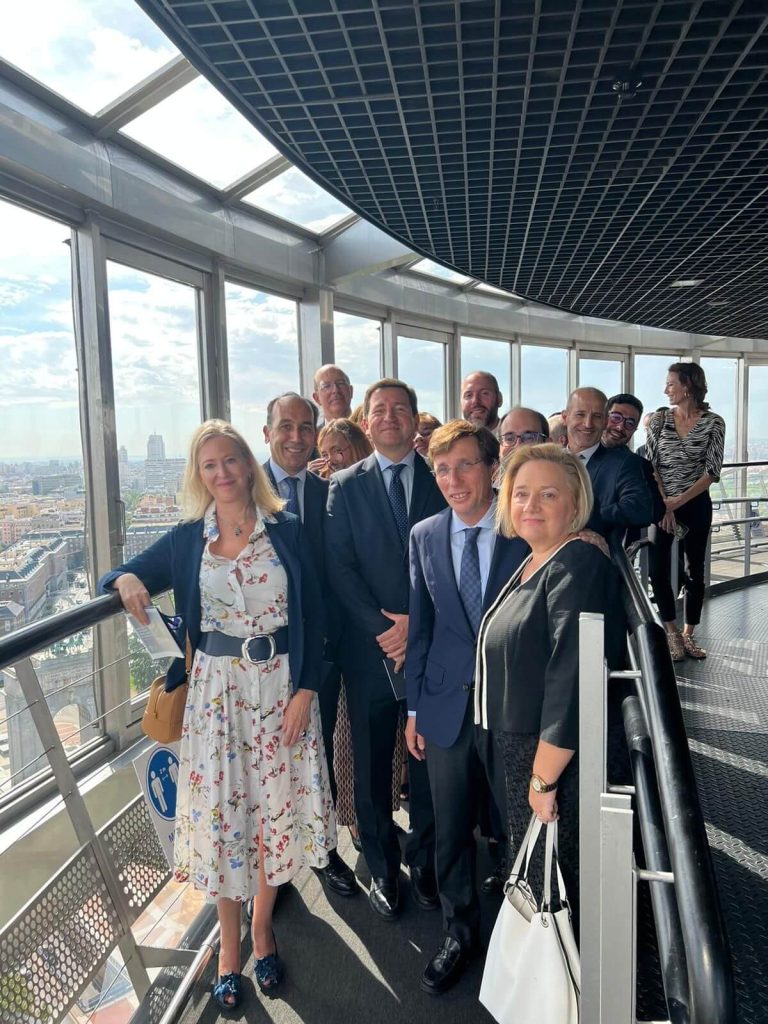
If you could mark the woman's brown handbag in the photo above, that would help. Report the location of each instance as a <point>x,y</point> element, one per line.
<point>164,713</point>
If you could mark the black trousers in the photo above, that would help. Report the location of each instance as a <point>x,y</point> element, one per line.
<point>459,778</point>
<point>374,722</point>
<point>697,516</point>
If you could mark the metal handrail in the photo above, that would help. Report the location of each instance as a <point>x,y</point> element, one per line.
<point>710,977</point>
<point>28,640</point>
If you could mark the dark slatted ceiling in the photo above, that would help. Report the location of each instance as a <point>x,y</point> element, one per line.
<point>490,136</point>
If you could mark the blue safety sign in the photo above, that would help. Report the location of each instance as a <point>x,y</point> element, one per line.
<point>162,777</point>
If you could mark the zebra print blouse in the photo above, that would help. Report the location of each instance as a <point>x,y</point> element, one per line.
<point>680,461</point>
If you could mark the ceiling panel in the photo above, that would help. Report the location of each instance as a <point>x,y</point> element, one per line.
<point>586,155</point>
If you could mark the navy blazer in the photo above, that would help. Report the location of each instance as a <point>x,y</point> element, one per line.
<point>174,561</point>
<point>622,495</point>
<point>440,660</point>
<point>368,561</point>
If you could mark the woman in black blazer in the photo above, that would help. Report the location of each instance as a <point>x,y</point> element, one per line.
<point>253,800</point>
<point>528,646</point>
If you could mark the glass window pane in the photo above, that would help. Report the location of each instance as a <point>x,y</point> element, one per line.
<point>431,269</point>
<point>263,353</point>
<point>90,53</point>
<point>757,424</point>
<point>422,365</point>
<point>604,374</point>
<point>491,356</point>
<point>544,378</point>
<point>721,394</point>
<point>200,131</point>
<point>650,378</point>
<point>153,326</point>
<point>357,344</point>
<point>295,197</point>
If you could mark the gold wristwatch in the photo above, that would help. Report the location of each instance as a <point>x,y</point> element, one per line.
<point>540,786</point>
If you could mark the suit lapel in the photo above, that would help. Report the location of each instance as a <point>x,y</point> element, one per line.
<point>373,480</point>
<point>422,488</point>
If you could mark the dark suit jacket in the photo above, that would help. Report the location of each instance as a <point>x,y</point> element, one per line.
<point>622,495</point>
<point>367,560</point>
<point>440,661</point>
<point>174,561</point>
<point>529,644</point>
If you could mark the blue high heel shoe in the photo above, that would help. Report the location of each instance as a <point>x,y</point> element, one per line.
<point>228,987</point>
<point>269,971</point>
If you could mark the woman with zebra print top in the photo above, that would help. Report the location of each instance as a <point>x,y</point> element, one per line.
<point>685,446</point>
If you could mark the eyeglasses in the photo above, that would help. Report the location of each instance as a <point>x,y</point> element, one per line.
<point>462,466</point>
<point>527,437</point>
<point>630,422</point>
<point>329,385</point>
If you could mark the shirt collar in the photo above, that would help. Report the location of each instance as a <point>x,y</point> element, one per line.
<point>280,474</point>
<point>587,454</point>
<point>385,463</point>
<point>488,522</point>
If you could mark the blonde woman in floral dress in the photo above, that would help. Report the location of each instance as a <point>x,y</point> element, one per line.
<point>254,801</point>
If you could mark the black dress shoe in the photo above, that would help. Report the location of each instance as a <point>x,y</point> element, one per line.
<point>495,882</point>
<point>424,888</point>
<point>384,897</point>
<point>338,876</point>
<point>445,968</point>
<point>357,842</point>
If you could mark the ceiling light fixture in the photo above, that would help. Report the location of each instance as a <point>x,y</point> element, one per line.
<point>687,282</point>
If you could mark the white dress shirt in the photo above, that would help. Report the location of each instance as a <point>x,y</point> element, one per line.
<point>406,476</point>
<point>485,542</point>
<point>587,454</point>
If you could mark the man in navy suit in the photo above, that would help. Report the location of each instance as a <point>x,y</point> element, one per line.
<point>372,507</point>
<point>458,565</point>
<point>291,432</point>
<point>622,495</point>
<point>623,415</point>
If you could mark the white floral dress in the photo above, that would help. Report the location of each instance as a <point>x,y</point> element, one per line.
<point>235,773</point>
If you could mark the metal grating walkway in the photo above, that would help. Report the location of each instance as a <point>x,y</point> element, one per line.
<point>725,703</point>
<point>346,965</point>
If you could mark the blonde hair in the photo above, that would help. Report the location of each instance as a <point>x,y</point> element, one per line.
<point>195,495</point>
<point>576,475</point>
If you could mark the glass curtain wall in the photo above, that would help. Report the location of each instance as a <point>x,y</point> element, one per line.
<point>421,364</point>
<point>605,374</point>
<point>263,356</point>
<point>543,378</point>
<point>42,494</point>
<point>357,348</point>
<point>493,357</point>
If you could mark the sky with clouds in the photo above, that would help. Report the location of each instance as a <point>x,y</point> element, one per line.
<point>92,51</point>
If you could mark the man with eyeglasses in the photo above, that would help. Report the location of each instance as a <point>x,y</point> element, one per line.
<point>624,414</point>
<point>333,392</point>
<point>458,565</point>
<point>622,497</point>
<point>481,400</point>
<point>522,426</point>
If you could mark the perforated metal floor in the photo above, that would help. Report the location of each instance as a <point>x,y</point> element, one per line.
<point>725,703</point>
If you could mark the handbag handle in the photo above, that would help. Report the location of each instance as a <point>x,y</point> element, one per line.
<point>526,849</point>
<point>550,852</point>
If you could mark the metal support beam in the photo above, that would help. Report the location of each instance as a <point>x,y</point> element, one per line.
<point>316,345</point>
<point>389,346</point>
<point>361,250</point>
<point>617,913</point>
<point>212,342</point>
<point>254,179</point>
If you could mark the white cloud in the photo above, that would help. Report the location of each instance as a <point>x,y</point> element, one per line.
<point>295,197</point>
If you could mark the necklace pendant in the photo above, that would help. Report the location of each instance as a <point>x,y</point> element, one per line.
<point>238,530</point>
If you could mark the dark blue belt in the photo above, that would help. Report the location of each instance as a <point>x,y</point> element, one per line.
<point>255,649</point>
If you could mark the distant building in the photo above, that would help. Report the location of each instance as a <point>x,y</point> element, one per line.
<point>60,483</point>
<point>164,475</point>
<point>11,616</point>
<point>33,569</point>
<point>155,448</point>
<point>139,536</point>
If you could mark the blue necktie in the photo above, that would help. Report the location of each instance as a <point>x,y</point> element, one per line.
<point>397,501</point>
<point>470,584</point>
<point>292,505</point>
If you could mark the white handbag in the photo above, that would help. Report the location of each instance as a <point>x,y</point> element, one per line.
<point>532,972</point>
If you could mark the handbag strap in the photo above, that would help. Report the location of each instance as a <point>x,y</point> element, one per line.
<point>526,849</point>
<point>550,852</point>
